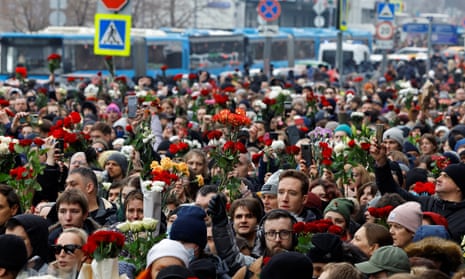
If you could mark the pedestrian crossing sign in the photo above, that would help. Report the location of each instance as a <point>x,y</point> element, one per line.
<point>112,35</point>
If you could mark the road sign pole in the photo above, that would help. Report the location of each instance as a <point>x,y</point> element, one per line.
<point>267,57</point>
<point>340,58</point>
<point>428,58</point>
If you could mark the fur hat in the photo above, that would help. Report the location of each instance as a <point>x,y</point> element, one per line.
<point>445,252</point>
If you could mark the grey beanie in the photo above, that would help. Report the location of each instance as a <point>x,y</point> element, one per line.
<point>120,159</point>
<point>395,134</point>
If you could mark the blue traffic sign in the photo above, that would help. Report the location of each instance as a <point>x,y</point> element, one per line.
<point>112,36</point>
<point>385,11</point>
<point>441,33</point>
<point>423,28</point>
<point>269,10</point>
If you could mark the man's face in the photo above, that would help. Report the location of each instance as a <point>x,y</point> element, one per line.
<point>290,196</point>
<point>6,212</point>
<point>76,181</point>
<point>270,202</point>
<point>242,167</point>
<point>274,243</point>
<point>71,215</point>
<point>113,195</point>
<point>96,134</point>
<point>244,222</point>
<point>114,169</point>
<point>20,105</point>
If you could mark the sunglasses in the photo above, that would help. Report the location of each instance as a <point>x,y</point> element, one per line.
<point>69,248</point>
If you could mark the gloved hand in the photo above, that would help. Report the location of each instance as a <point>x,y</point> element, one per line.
<point>217,209</point>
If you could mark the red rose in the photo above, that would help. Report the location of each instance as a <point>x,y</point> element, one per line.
<point>54,56</point>
<point>229,145</point>
<point>256,157</point>
<point>129,128</point>
<point>365,146</point>
<point>292,150</point>
<point>21,71</point>
<point>239,146</point>
<point>299,227</point>
<point>335,230</point>
<point>173,149</point>
<point>164,67</point>
<point>373,212</point>
<point>38,141</point>
<point>75,117</point>
<point>351,143</point>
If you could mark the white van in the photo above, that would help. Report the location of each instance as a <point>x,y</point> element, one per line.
<point>357,53</point>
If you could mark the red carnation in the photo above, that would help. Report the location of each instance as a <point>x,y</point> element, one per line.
<point>299,227</point>
<point>351,143</point>
<point>75,117</point>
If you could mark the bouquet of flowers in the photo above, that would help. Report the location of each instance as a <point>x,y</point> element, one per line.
<point>54,61</point>
<point>104,244</point>
<point>227,156</point>
<point>21,162</point>
<point>381,214</point>
<point>424,188</point>
<point>69,130</point>
<point>103,247</point>
<point>305,231</point>
<point>139,239</point>
<point>438,164</point>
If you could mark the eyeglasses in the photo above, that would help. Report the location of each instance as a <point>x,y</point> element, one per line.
<point>284,235</point>
<point>69,248</point>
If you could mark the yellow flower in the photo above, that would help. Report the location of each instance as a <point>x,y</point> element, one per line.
<point>166,163</point>
<point>183,168</point>
<point>154,165</point>
<point>200,180</point>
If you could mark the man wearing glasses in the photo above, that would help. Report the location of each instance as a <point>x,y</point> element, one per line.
<point>275,235</point>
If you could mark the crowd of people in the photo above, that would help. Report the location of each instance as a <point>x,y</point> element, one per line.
<point>395,214</point>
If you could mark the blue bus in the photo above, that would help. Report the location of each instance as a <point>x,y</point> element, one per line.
<point>180,50</point>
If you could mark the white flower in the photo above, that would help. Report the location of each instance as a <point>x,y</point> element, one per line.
<point>127,150</point>
<point>278,145</point>
<point>149,224</point>
<point>339,148</point>
<point>148,138</point>
<point>193,143</point>
<point>136,226</point>
<point>141,93</point>
<point>6,140</point>
<point>106,185</point>
<point>158,186</point>
<point>124,227</point>
<point>4,148</point>
<point>259,103</point>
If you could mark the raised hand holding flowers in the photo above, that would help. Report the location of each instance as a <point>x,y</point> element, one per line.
<point>54,61</point>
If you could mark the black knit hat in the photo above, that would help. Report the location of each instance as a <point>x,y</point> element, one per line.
<point>456,171</point>
<point>288,265</point>
<point>327,247</point>
<point>416,175</point>
<point>190,226</point>
<point>14,255</point>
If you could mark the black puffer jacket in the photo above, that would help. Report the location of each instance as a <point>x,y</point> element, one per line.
<point>454,212</point>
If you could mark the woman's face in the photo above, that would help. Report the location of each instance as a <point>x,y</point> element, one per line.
<point>400,235</point>
<point>69,260</point>
<point>366,196</point>
<point>361,241</point>
<point>196,164</point>
<point>426,147</point>
<point>336,218</point>
<point>320,192</point>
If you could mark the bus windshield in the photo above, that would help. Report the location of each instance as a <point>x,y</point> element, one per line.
<point>30,52</point>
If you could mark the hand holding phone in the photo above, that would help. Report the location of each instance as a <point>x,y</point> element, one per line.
<point>306,150</point>
<point>379,133</point>
<point>132,106</point>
